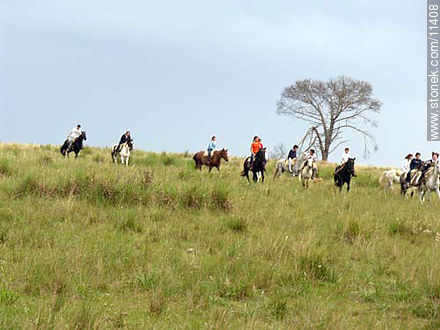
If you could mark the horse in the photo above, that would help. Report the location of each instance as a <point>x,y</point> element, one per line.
<point>306,173</point>
<point>431,183</point>
<point>282,166</point>
<point>344,173</point>
<point>124,152</point>
<point>411,185</point>
<point>258,166</point>
<point>76,145</point>
<point>201,159</point>
<point>389,177</point>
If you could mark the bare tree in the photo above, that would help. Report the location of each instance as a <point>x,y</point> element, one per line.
<point>278,151</point>
<point>332,107</point>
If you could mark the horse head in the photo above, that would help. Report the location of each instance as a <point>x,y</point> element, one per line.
<point>224,154</point>
<point>309,163</point>
<point>261,154</point>
<point>349,165</point>
<point>130,144</point>
<point>83,135</point>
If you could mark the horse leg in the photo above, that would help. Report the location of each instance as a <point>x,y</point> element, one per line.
<point>210,168</point>
<point>422,196</point>
<point>262,176</point>
<point>218,168</point>
<point>254,176</point>
<point>348,186</point>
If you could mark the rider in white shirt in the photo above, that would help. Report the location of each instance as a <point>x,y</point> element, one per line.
<point>314,159</point>
<point>74,134</point>
<point>407,163</point>
<point>345,156</point>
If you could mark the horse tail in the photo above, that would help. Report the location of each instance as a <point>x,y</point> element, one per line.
<point>112,153</point>
<point>245,167</point>
<point>195,157</point>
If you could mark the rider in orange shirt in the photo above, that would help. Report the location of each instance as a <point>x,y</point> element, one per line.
<point>256,145</point>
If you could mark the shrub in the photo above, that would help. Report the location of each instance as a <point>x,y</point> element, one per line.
<point>314,267</point>
<point>167,160</point>
<point>237,224</point>
<point>8,297</point>
<point>278,307</point>
<point>193,198</point>
<point>352,231</point>
<point>5,168</point>
<point>146,178</point>
<point>220,199</point>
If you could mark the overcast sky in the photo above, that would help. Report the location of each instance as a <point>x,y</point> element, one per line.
<point>176,72</point>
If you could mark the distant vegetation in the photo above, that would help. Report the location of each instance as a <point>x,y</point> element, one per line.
<point>89,244</point>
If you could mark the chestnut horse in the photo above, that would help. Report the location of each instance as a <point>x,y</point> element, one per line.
<point>201,159</point>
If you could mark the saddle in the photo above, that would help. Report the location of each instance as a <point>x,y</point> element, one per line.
<point>338,169</point>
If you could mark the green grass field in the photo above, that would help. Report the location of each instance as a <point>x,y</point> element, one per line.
<point>88,244</point>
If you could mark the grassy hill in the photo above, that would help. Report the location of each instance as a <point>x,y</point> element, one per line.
<point>88,244</point>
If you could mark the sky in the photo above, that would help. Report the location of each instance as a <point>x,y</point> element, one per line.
<point>176,72</point>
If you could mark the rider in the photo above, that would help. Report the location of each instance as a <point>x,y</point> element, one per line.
<point>292,157</point>
<point>73,135</point>
<point>415,164</point>
<point>256,145</point>
<point>406,164</point>
<point>211,146</point>
<point>314,159</point>
<point>344,159</point>
<point>345,156</point>
<point>124,138</point>
<point>427,165</point>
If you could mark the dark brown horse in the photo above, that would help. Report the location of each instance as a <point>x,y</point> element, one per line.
<point>201,159</point>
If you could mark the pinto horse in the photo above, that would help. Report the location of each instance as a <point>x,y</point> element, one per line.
<point>124,152</point>
<point>75,146</point>
<point>258,167</point>
<point>306,173</point>
<point>201,159</point>
<point>344,173</point>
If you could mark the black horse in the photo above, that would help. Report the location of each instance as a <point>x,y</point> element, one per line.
<point>344,173</point>
<point>259,165</point>
<point>76,146</point>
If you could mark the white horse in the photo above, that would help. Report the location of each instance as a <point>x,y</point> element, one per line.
<point>283,166</point>
<point>389,177</point>
<point>124,152</point>
<point>431,183</point>
<point>306,173</point>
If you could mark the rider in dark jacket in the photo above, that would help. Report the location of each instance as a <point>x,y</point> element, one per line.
<point>415,164</point>
<point>124,138</point>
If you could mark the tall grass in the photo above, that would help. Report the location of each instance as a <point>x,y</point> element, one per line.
<point>87,243</point>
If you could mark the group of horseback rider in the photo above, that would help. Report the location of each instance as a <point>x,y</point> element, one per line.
<point>76,132</point>
<point>416,169</point>
<point>292,156</point>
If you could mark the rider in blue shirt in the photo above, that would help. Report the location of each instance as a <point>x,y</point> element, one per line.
<point>211,146</point>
